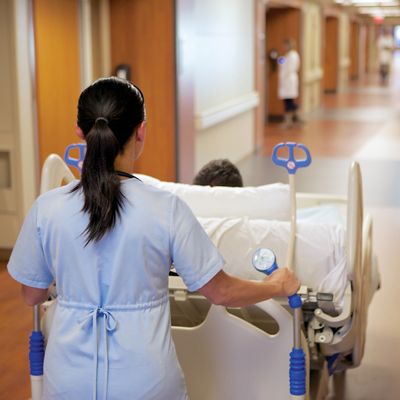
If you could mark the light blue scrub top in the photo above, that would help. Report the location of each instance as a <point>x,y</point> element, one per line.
<point>110,338</point>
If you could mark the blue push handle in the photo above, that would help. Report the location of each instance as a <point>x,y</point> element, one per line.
<point>291,163</point>
<point>294,299</point>
<point>75,162</point>
<point>264,260</point>
<point>36,353</point>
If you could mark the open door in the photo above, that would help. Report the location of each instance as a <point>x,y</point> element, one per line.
<point>281,23</point>
<point>331,56</point>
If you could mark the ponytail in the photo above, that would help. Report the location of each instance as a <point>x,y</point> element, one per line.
<point>109,112</point>
<point>103,199</point>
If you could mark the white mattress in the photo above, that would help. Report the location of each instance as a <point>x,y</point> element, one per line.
<point>267,201</point>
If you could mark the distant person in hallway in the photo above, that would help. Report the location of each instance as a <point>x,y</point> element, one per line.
<point>219,172</point>
<point>288,83</point>
<point>385,46</point>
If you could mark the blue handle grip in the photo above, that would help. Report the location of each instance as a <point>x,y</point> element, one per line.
<point>297,372</point>
<point>291,163</point>
<point>267,265</point>
<point>36,353</point>
<point>270,270</point>
<point>75,162</point>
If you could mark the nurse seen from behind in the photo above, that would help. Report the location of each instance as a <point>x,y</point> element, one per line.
<point>109,241</point>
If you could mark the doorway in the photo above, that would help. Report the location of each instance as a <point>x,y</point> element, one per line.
<point>57,65</point>
<point>143,38</point>
<point>354,50</point>
<point>281,23</point>
<point>331,55</point>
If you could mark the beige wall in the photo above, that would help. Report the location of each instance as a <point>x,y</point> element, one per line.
<point>373,53</point>
<point>344,49</point>
<point>228,139</point>
<point>224,79</point>
<point>312,58</point>
<point>18,176</point>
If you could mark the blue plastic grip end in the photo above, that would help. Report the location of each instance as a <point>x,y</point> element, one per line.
<point>36,353</point>
<point>295,301</point>
<point>271,269</point>
<point>297,372</point>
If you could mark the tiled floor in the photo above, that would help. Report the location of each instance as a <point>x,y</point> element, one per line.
<point>361,124</point>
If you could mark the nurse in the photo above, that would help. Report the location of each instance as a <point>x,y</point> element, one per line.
<point>108,241</point>
<point>288,83</point>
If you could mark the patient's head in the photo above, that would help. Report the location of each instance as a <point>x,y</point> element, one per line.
<point>219,172</point>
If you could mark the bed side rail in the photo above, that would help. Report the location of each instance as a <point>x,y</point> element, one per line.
<point>318,199</point>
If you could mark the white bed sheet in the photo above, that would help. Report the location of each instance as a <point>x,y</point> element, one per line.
<point>240,220</point>
<point>327,214</point>
<point>320,261</point>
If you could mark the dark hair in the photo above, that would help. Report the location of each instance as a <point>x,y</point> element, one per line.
<point>109,111</point>
<point>219,173</point>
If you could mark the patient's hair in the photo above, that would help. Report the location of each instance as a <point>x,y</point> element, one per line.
<point>219,172</point>
<point>109,113</point>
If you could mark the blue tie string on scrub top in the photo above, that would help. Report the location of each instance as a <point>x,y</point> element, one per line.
<point>264,260</point>
<point>109,325</point>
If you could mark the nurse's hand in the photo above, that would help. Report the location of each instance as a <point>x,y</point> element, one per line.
<point>286,282</point>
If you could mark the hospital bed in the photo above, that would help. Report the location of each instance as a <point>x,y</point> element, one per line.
<point>229,353</point>
<point>232,353</point>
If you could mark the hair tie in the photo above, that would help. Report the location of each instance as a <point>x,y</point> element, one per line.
<point>101,119</point>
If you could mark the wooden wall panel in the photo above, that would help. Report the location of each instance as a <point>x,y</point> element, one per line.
<point>331,56</point>
<point>281,23</point>
<point>143,36</point>
<point>56,24</point>
<point>354,50</point>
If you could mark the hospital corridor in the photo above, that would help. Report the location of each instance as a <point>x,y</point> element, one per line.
<point>199,199</point>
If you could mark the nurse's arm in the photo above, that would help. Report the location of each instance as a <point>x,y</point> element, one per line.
<point>229,291</point>
<point>33,296</point>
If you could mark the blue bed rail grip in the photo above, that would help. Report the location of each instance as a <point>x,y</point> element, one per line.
<point>297,372</point>
<point>75,162</point>
<point>295,301</point>
<point>36,353</point>
<point>291,163</point>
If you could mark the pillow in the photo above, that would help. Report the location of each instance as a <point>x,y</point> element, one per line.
<point>320,257</point>
<point>268,201</point>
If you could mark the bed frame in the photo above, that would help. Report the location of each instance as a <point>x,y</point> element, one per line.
<point>230,353</point>
<point>227,353</point>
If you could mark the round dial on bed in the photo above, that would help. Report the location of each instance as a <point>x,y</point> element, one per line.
<point>264,260</point>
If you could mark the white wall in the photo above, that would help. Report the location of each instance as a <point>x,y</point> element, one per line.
<point>224,79</point>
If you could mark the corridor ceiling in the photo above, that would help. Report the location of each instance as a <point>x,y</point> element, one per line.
<point>374,8</point>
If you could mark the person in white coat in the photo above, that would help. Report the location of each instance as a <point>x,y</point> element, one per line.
<point>385,45</point>
<point>288,83</point>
